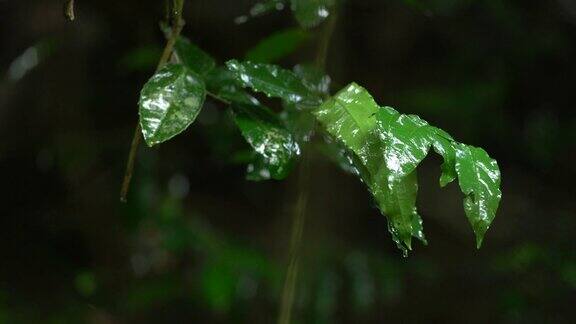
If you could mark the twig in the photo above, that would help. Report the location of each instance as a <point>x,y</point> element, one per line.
<point>177,25</point>
<point>69,10</point>
<point>289,289</point>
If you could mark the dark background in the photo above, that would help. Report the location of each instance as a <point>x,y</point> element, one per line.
<point>196,243</point>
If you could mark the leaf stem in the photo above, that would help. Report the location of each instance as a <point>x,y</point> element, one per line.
<point>218,98</point>
<point>177,25</point>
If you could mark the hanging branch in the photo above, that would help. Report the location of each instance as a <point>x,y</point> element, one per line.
<point>177,25</point>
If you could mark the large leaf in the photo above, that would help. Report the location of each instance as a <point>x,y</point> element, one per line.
<point>193,57</point>
<point>277,46</point>
<point>169,102</point>
<point>276,147</point>
<point>272,81</point>
<point>479,178</point>
<point>389,147</point>
<point>310,13</point>
<point>350,116</point>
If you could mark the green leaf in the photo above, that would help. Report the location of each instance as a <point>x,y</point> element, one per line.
<point>389,146</point>
<point>350,116</point>
<point>193,57</point>
<point>223,83</point>
<point>298,117</point>
<point>169,102</point>
<point>407,139</point>
<point>272,81</point>
<point>479,178</point>
<point>277,46</point>
<point>276,147</point>
<point>314,79</point>
<point>444,145</point>
<point>310,13</point>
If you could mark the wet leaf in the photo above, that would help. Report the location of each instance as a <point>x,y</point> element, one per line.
<point>407,139</point>
<point>223,83</point>
<point>298,117</point>
<point>193,57</point>
<point>272,81</point>
<point>277,46</point>
<point>479,178</point>
<point>389,147</point>
<point>170,102</point>
<point>350,116</point>
<point>314,79</point>
<point>276,148</point>
<point>444,145</point>
<point>310,13</point>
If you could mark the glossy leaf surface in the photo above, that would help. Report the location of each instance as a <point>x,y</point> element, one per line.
<point>277,46</point>
<point>389,146</point>
<point>193,57</point>
<point>479,178</point>
<point>169,102</point>
<point>350,116</point>
<point>443,144</point>
<point>310,13</point>
<point>272,81</point>
<point>276,147</point>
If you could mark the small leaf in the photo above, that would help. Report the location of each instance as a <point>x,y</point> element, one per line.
<point>310,13</point>
<point>275,146</point>
<point>277,46</point>
<point>272,81</point>
<point>193,57</point>
<point>479,178</point>
<point>169,102</point>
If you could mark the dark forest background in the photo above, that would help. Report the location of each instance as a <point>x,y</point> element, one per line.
<point>196,243</point>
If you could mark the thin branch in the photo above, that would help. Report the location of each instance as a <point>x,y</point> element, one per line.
<point>289,290</point>
<point>69,10</point>
<point>177,25</point>
<point>218,98</point>
<point>324,45</point>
